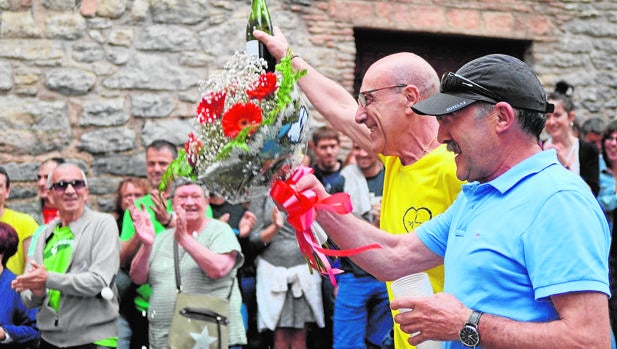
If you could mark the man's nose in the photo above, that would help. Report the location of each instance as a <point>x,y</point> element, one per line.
<point>361,115</point>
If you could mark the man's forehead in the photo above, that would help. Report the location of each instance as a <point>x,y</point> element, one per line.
<point>327,142</point>
<point>162,152</point>
<point>48,167</point>
<point>371,82</point>
<point>66,172</point>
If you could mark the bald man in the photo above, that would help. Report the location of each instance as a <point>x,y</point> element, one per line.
<point>420,179</point>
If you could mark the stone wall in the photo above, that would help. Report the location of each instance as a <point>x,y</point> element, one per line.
<point>95,81</point>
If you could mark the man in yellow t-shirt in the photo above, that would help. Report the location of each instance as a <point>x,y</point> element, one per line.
<point>420,180</point>
<point>24,225</point>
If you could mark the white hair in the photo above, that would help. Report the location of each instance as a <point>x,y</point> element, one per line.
<point>64,165</point>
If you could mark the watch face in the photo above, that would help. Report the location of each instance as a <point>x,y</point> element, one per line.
<point>469,336</point>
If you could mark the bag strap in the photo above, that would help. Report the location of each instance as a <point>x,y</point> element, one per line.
<point>177,267</point>
<point>177,273</point>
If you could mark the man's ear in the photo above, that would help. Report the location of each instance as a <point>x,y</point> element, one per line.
<point>412,94</point>
<point>505,115</point>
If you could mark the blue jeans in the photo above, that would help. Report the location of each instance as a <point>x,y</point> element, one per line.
<point>124,333</point>
<point>361,312</point>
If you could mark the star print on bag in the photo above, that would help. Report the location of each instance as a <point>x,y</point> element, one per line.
<point>203,339</point>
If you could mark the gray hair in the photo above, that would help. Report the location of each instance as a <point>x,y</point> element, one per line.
<point>596,125</point>
<point>64,165</point>
<point>182,181</point>
<point>531,122</point>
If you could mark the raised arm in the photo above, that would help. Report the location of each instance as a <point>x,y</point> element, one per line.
<point>335,103</point>
<point>215,265</point>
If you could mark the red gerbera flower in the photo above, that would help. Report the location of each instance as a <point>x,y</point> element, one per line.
<point>193,148</point>
<point>211,107</point>
<point>240,116</point>
<point>263,87</point>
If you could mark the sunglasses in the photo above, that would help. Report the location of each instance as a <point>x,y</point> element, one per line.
<point>454,82</point>
<point>62,185</point>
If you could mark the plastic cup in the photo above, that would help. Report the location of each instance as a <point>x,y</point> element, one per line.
<point>415,285</point>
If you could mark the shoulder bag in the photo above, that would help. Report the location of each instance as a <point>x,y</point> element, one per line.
<point>200,321</point>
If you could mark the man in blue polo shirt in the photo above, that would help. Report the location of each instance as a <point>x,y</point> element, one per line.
<point>525,244</point>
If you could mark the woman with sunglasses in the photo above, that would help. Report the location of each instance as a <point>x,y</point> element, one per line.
<point>574,154</point>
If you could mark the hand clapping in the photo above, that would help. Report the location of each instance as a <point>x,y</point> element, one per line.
<point>35,279</point>
<point>160,206</point>
<point>246,224</point>
<point>181,232</point>
<point>143,225</point>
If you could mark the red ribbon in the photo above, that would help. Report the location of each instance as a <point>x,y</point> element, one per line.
<point>301,209</point>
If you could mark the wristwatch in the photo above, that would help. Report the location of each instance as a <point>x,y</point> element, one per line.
<point>469,334</point>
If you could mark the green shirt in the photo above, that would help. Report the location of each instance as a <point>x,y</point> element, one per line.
<point>128,230</point>
<point>56,258</point>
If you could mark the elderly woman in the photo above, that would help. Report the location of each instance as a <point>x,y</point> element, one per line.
<point>209,256</point>
<point>17,323</point>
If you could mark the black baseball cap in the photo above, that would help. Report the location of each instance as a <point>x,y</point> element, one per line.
<point>492,78</point>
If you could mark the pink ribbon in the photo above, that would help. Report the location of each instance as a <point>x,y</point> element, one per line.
<point>301,209</point>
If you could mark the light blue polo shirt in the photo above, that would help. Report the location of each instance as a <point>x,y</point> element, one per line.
<point>533,232</point>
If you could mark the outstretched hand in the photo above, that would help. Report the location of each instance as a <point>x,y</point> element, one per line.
<point>143,224</point>
<point>277,44</point>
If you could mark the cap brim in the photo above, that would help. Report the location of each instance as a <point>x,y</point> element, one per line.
<point>441,104</point>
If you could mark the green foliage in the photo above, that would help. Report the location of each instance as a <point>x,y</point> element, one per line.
<point>283,94</point>
<point>178,167</point>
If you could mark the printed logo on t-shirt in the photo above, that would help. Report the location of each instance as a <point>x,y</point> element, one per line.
<point>414,217</point>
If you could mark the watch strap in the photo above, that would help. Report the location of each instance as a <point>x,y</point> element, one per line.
<point>474,318</point>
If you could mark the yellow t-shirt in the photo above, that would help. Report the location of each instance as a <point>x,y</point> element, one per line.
<point>25,226</point>
<point>413,195</point>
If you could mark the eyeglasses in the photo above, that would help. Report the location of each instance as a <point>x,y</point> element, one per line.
<point>365,97</point>
<point>62,185</point>
<point>454,82</point>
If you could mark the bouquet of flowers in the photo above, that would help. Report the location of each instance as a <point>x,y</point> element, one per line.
<point>250,127</point>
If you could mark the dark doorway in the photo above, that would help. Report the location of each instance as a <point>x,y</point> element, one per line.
<point>443,52</point>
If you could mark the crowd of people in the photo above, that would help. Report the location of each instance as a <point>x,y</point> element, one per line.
<point>481,179</point>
